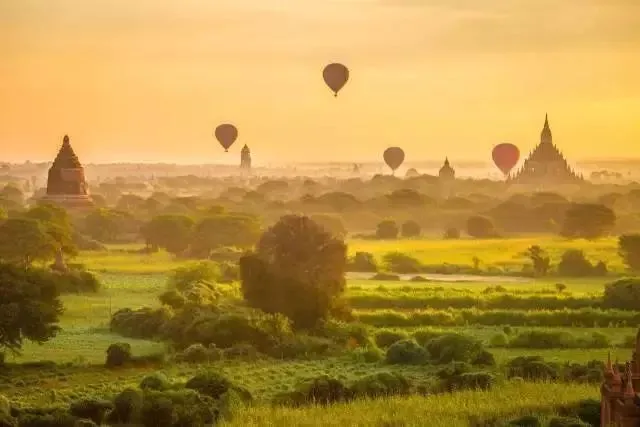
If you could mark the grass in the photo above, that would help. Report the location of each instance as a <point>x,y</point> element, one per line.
<point>505,253</point>
<point>450,410</point>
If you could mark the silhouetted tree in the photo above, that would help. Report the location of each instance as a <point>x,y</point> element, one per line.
<point>410,229</point>
<point>29,307</point>
<point>588,221</point>
<point>227,230</point>
<point>169,232</point>
<point>297,269</point>
<point>480,227</point>
<point>540,260</point>
<point>387,229</point>
<point>629,250</point>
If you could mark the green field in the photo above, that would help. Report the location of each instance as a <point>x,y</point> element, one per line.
<point>134,280</point>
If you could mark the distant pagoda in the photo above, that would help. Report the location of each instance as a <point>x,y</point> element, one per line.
<point>66,184</point>
<point>446,177</point>
<point>545,166</point>
<point>245,158</point>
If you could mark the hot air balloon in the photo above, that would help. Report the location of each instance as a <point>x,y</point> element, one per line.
<point>226,135</point>
<point>335,76</point>
<point>505,156</point>
<point>393,157</point>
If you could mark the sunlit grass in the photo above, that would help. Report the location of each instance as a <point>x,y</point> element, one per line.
<point>490,252</point>
<point>449,410</point>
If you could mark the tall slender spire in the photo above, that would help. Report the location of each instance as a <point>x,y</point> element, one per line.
<point>545,135</point>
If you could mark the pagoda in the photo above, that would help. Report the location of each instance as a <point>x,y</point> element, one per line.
<point>446,177</point>
<point>245,158</point>
<point>66,184</point>
<point>545,166</point>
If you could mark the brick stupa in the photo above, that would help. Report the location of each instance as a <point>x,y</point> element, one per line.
<point>66,184</point>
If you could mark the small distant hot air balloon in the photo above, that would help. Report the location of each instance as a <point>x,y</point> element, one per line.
<point>335,76</point>
<point>505,156</point>
<point>393,157</point>
<point>226,135</point>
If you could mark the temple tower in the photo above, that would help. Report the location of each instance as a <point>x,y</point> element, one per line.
<point>446,176</point>
<point>66,184</point>
<point>545,167</point>
<point>245,158</point>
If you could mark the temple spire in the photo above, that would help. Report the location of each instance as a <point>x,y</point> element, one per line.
<point>545,135</point>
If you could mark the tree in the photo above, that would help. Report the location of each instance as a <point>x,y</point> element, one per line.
<point>575,264</point>
<point>297,269</point>
<point>623,294</point>
<point>332,224</point>
<point>12,194</point>
<point>411,229</point>
<point>24,241</point>
<point>227,230</point>
<point>588,221</point>
<point>629,250</point>
<point>540,260</point>
<point>109,225</point>
<point>29,307</point>
<point>57,224</point>
<point>170,232</point>
<point>387,229</point>
<point>480,227</point>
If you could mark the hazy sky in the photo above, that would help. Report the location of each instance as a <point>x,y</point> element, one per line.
<point>148,80</point>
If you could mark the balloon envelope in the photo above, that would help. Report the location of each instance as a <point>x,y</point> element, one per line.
<point>393,157</point>
<point>505,156</point>
<point>226,135</point>
<point>335,76</point>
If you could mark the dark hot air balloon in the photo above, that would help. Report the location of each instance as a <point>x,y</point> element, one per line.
<point>505,156</point>
<point>393,157</point>
<point>335,76</point>
<point>226,135</point>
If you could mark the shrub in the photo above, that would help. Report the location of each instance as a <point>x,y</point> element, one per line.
<point>126,407</point>
<point>451,233</point>
<point>198,353</point>
<point>454,347</point>
<point>398,262</point>
<point>623,294</point>
<point>183,277</point>
<point>387,229</point>
<point>574,264</point>
<point>423,336</point>
<point>471,381</point>
<point>363,262</point>
<point>480,227</point>
<point>215,385</point>
<point>485,358</point>
<point>406,352</point>
<point>525,421</point>
<point>157,381</point>
<point>118,354</point>
<point>566,422</point>
<point>543,339</point>
<point>368,354</point>
<point>322,390</point>
<point>381,384</point>
<point>629,250</point>
<point>531,368</point>
<point>386,277</point>
<point>410,229</point>
<point>385,338</point>
<point>91,409</point>
<point>499,340</point>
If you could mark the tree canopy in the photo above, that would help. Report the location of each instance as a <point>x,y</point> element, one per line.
<point>29,307</point>
<point>297,269</point>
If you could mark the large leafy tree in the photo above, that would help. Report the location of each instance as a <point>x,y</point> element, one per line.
<point>297,269</point>
<point>170,232</point>
<point>588,221</point>
<point>107,225</point>
<point>29,306</point>
<point>24,241</point>
<point>225,231</point>
<point>629,250</point>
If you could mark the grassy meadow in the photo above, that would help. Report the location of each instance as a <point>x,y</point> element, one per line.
<point>133,280</point>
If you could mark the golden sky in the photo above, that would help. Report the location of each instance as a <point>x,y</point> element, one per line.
<point>148,80</point>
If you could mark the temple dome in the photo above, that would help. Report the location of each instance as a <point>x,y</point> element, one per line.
<point>446,171</point>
